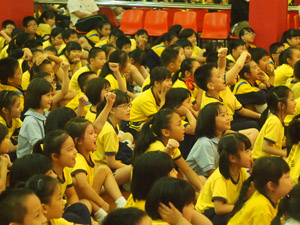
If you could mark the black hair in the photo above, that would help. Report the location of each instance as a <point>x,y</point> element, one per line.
<point>35,90</point>
<point>94,52</point>
<point>58,117</point>
<point>107,49</point>
<point>245,69</point>
<point>139,56</point>
<point>12,205</point>
<point>212,57</point>
<point>55,31</point>
<point>41,75</point>
<point>7,100</point>
<point>38,68</point>
<point>258,53</point>
<point>230,144</point>
<point>177,191</point>
<point>3,132</point>
<point>152,130</point>
<point>83,79</point>
<point>234,44</point>
<point>121,41</point>
<point>128,216</point>
<point>93,89</point>
<point>27,166</point>
<point>101,24</point>
<point>206,121</point>
<point>289,34</point>
<point>48,14</point>
<point>141,32</point>
<point>27,19</point>
<point>265,169</point>
<point>158,74</point>
<point>274,96</point>
<point>18,40</point>
<point>286,54</point>
<point>166,37</point>
<point>8,67</point>
<point>293,133</point>
<point>187,33</point>
<point>184,43</point>
<point>297,69</point>
<point>176,28</point>
<point>169,55</point>
<point>33,43</point>
<point>175,97</point>
<point>43,186</point>
<point>147,169</point>
<point>72,45</point>
<point>51,49</point>
<point>64,24</point>
<point>116,32</point>
<point>5,23</point>
<point>117,56</point>
<point>186,65</point>
<point>244,30</point>
<point>274,47</point>
<point>202,75</point>
<point>66,34</point>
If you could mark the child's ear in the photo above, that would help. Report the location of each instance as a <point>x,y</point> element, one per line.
<point>187,74</point>
<point>54,156</point>
<point>4,110</point>
<point>10,80</point>
<point>232,158</point>
<point>165,132</point>
<point>131,61</point>
<point>135,37</point>
<point>44,208</point>
<point>210,86</point>
<point>281,105</point>
<point>271,186</point>
<point>289,61</point>
<point>77,141</point>
<point>171,65</point>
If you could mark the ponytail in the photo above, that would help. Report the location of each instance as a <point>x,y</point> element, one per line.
<point>37,148</point>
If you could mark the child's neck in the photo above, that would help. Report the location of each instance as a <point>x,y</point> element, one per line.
<point>251,81</point>
<point>7,119</point>
<point>85,153</point>
<point>213,93</point>
<point>219,134</point>
<point>114,120</point>
<point>165,140</point>
<point>281,115</point>
<point>58,169</point>
<point>273,197</point>
<point>93,68</point>
<point>40,110</point>
<point>156,94</point>
<point>234,171</point>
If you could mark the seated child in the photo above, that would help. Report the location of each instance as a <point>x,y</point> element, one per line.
<point>293,83</point>
<point>140,40</point>
<point>100,35</point>
<point>275,49</point>
<point>123,43</point>
<point>55,39</point>
<point>291,38</point>
<point>6,29</point>
<point>30,27</point>
<point>187,47</point>
<point>236,47</point>
<point>247,34</point>
<point>46,23</point>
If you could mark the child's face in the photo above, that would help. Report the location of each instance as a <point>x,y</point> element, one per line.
<point>126,67</point>
<point>56,206</point>
<point>188,51</point>
<point>31,27</point>
<point>74,56</point>
<point>104,91</point>
<point>73,37</point>
<point>176,129</point>
<point>238,51</point>
<point>245,157</point>
<point>192,39</point>
<point>263,63</point>
<point>9,28</point>
<point>46,101</point>
<point>294,41</point>
<point>16,80</point>
<point>174,66</point>
<point>16,109</point>
<point>295,57</point>
<point>57,40</point>
<point>48,69</point>
<point>222,120</point>
<point>34,214</point>
<point>181,54</point>
<point>285,184</point>
<point>68,152</point>
<point>141,39</point>
<point>166,83</point>
<point>105,31</point>
<point>126,48</point>
<point>187,103</point>
<point>248,37</point>
<point>4,144</point>
<point>254,70</point>
<point>290,104</point>
<point>217,80</point>
<point>99,60</point>
<point>90,138</point>
<point>51,21</point>
<point>122,112</point>
<point>144,221</point>
<point>188,211</point>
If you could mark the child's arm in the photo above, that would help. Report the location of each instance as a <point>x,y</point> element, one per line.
<point>82,101</point>
<point>143,71</point>
<point>199,218</point>
<point>183,111</point>
<point>57,61</point>
<point>115,69</point>
<point>248,113</point>
<point>197,105</point>
<point>6,37</point>
<point>222,208</point>
<point>71,195</point>
<point>4,165</point>
<point>222,52</point>
<point>233,72</point>
<point>113,163</point>
<point>65,84</point>
<point>268,147</point>
<point>172,144</point>
<point>136,75</point>
<point>102,117</point>
<point>171,215</point>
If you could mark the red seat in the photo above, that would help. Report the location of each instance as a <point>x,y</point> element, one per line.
<point>110,15</point>
<point>156,23</point>
<point>288,22</point>
<point>132,21</point>
<point>228,13</point>
<point>296,22</point>
<point>171,13</point>
<point>215,26</point>
<point>187,19</point>
<point>200,17</point>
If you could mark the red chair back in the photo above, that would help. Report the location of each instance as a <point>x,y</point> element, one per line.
<point>171,13</point>
<point>110,15</point>
<point>215,26</point>
<point>156,23</point>
<point>200,18</point>
<point>132,21</point>
<point>187,19</point>
<point>296,22</point>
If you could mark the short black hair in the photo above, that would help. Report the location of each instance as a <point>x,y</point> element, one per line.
<point>8,68</point>
<point>244,30</point>
<point>83,78</point>
<point>27,19</point>
<point>258,53</point>
<point>121,41</point>
<point>169,55</point>
<point>5,23</point>
<point>273,47</point>
<point>141,32</point>
<point>234,44</point>
<point>202,75</point>
<point>33,43</point>
<point>128,216</point>
<point>297,69</point>
<point>67,33</point>
<point>184,43</point>
<point>116,32</point>
<point>94,52</point>
<point>93,89</point>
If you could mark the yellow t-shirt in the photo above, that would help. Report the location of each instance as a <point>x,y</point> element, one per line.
<point>62,47</point>
<point>60,221</point>
<point>289,118</point>
<point>67,181</point>
<point>294,86</point>
<point>91,115</point>
<point>158,49</point>
<point>282,73</point>
<point>93,36</point>
<point>144,106</point>
<point>136,204</point>
<point>65,59</point>
<point>219,188</point>
<point>2,42</point>
<point>227,98</point>
<point>159,146</point>
<point>294,162</point>
<point>133,44</point>
<point>102,42</point>
<point>15,89</point>
<point>159,222</point>
<point>74,103</point>
<point>146,82</point>
<point>25,80</point>
<point>243,87</point>
<point>46,44</point>
<point>43,29</point>
<point>4,53</point>
<point>196,51</point>
<point>272,131</point>
<point>230,57</point>
<point>257,210</point>
<point>114,82</point>
<point>107,144</point>
<point>179,83</point>
<point>82,165</point>
<point>13,130</point>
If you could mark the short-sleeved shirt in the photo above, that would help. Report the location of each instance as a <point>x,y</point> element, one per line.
<point>2,42</point>
<point>82,165</point>
<point>60,221</point>
<point>218,188</point>
<point>204,155</point>
<point>144,106</point>
<point>159,222</point>
<point>107,143</point>
<point>294,86</point>
<point>93,37</point>
<point>14,129</point>
<point>289,118</point>
<point>159,146</point>
<point>158,49</point>
<point>4,53</point>
<point>136,204</point>
<point>91,115</point>
<point>66,181</point>
<point>74,103</point>
<point>282,73</point>
<point>84,6</point>
<point>196,51</point>
<point>257,210</point>
<point>114,82</point>
<point>25,80</point>
<point>294,162</point>
<point>231,58</point>
<point>273,132</point>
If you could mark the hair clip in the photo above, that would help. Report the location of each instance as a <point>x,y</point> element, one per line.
<point>40,184</point>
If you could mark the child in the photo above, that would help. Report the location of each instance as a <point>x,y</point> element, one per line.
<point>140,40</point>
<point>55,39</point>
<point>4,157</point>
<point>247,91</point>
<point>46,22</point>
<point>285,70</point>
<point>21,206</point>
<point>7,27</point>
<point>110,150</point>
<point>72,55</point>
<point>221,190</point>
<point>213,121</point>
<point>30,25</point>
<point>123,43</point>
<point>114,35</point>
<point>269,142</point>
<point>11,77</point>
<point>138,60</point>
<point>236,47</point>
<point>293,83</point>
<point>247,34</point>
<point>88,179</point>
<point>272,181</point>
<point>187,47</point>
<point>291,38</point>
<point>153,165</point>
<point>151,100</point>
<point>176,193</point>
<point>10,113</point>
<point>130,216</point>
<point>162,133</point>
<point>96,60</point>
<point>275,49</point>
<point>108,49</point>
<point>38,98</point>
<point>100,34</point>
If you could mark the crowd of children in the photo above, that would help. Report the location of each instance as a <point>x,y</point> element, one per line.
<point>196,136</point>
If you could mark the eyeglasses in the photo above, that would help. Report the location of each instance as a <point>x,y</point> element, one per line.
<point>251,33</point>
<point>10,28</point>
<point>32,25</point>
<point>125,106</point>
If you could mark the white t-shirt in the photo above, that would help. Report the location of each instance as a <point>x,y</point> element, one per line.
<point>84,6</point>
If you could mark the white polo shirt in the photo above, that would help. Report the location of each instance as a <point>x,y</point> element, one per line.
<point>84,6</point>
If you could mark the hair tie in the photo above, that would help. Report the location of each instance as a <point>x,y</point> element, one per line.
<point>40,184</point>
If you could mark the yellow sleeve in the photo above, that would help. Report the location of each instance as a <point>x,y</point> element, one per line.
<point>25,80</point>
<point>148,108</point>
<point>110,143</point>
<point>113,82</point>
<point>220,190</point>
<point>60,221</point>
<point>176,154</point>
<point>271,132</point>
<point>80,165</point>
<point>294,163</point>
